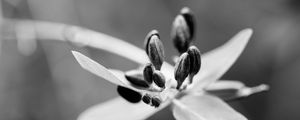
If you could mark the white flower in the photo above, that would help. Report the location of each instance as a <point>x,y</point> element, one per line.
<point>197,102</point>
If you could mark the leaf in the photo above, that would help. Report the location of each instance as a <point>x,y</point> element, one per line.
<point>216,62</point>
<point>97,69</point>
<point>119,109</point>
<point>204,107</point>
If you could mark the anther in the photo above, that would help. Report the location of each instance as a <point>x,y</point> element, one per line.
<point>148,37</point>
<point>146,99</point>
<point>148,72</point>
<point>159,79</point>
<point>182,69</point>
<point>155,101</point>
<point>129,95</point>
<point>180,34</point>
<point>190,20</point>
<point>156,51</point>
<point>195,59</point>
<point>136,79</point>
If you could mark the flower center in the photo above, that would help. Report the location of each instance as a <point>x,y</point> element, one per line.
<point>151,80</point>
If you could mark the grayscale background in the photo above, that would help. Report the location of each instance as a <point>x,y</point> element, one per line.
<point>48,84</point>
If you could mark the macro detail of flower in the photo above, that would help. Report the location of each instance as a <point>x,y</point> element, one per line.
<point>191,85</point>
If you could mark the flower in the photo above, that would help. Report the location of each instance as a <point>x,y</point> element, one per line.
<point>199,99</point>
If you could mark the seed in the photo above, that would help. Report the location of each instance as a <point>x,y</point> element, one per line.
<point>148,37</point>
<point>136,79</point>
<point>146,98</point>
<point>180,34</point>
<point>148,71</point>
<point>129,95</point>
<point>190,20</point>
<point>182,69</point>
<point>159,79</point>
<point>195,59</point>
<point>156,52</point>
<point>155,101</point>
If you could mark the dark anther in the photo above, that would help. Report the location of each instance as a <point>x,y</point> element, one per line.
<point>195,59</point>
<point>148,72</point>
<point>159,79</point>
<point>180,34</point>
<point>156,51</point>
<point>155,101</point>
<point>148,37</point>
<point>182,69</point>
<point>190,20</point>
<point>129,95</point>
<point>136,79</point>
<point>146,98</point>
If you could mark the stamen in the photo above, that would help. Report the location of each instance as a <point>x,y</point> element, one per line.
<point>136,79</point>
<point>195,59</point>
<point>146,99</point>
<point>155,101</point>
<point>182,69</point>
<point>148,37</point>
<point>129,95</point>
<point>148,72</point>
<point>159,79</point>
<point>180,34</point>
<point>190,20</point>
<point>156,52</point>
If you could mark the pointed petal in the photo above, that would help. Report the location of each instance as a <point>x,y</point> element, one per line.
<point>204,107</point>
<point>225,89</point>
<point>108,43</point>
<point>216,62</point>
<point>97,69</point>
<point>113,45</point>
<point>182,112</point>
<point>119,109</point>
<point>233,90</point>
<point>225,84</point>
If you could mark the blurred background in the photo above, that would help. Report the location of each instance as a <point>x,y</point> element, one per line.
<point>40,79</point>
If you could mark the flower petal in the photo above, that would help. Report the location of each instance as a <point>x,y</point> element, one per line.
<point>114,45</point>
<point>225,89</point>
<point>97,69</point>
<point>204,107</point>
<point>225,84</point>
<point>216,62</point>
<point>182,112</point>
<point>108,43</point>
<point>119,109</point>
<point>233,90</point>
